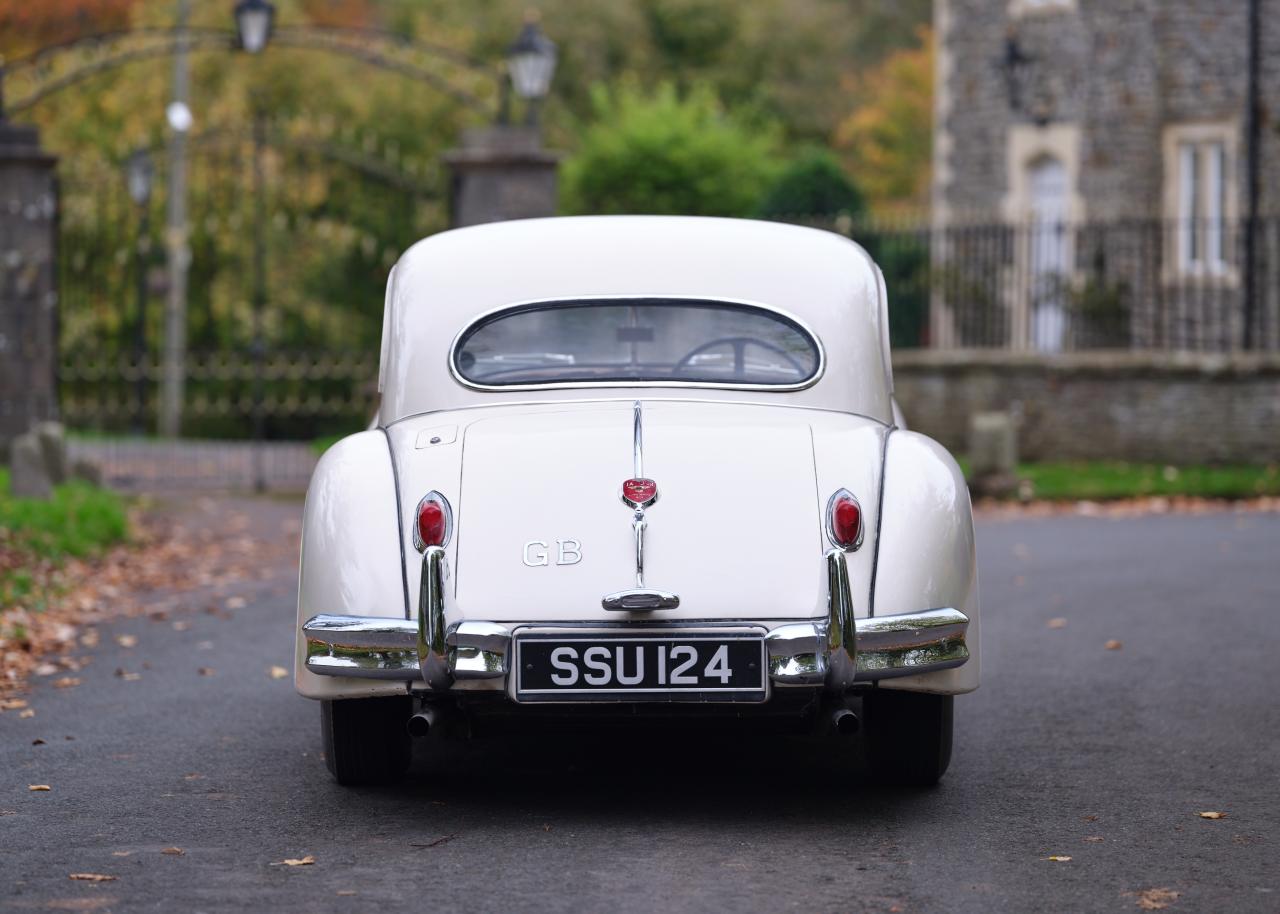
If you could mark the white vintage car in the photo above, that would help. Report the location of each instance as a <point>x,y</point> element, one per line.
<point>637,466</point>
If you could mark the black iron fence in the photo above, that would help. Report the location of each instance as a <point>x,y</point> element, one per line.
<point>258,416</point>
<point>1053,286</point>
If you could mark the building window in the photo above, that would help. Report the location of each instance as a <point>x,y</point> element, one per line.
<point>1201,193</point>
<point>1199,197</point>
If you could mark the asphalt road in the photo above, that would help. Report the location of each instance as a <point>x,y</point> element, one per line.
<point>1068,749</point>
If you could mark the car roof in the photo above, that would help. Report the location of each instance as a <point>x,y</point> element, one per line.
<point>445,282</point>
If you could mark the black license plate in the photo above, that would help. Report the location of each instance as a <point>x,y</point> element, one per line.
<point>558,666</point>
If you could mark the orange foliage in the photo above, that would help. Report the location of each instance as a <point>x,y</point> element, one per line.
<point>28,25</point>
<point>887,140</point>
<point>351,14</point>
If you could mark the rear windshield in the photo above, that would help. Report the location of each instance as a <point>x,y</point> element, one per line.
<point>637,340</point>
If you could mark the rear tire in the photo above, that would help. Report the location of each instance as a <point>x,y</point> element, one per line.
<point>908,736</point>
<point>365,740</point>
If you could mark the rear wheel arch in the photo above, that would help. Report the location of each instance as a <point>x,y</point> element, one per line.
<point>926,555</point>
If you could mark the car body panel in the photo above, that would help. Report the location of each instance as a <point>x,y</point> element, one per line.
<point>736,532</point>
<point>927,556</point>
<point>350,562</point>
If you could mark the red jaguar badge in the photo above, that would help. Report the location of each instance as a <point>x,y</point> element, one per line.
<point>639,493</point>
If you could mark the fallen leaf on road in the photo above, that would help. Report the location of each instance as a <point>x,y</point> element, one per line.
<point>12,704</point>
<point>127,676</point>
<point>1155,899</point>
<point>89,638</point>
<point>346,891</point>
<point>296,861</point>
<point>181,626</point>
<point>1113,645</point>
<point>39,787</point>
<point>29,713</point>
<point>1212,815</point>
<point>127,640</point>
<point>205,671</point>
<point>1094,839</point>
<point>443,839</point>
<point>235,603</point>
<point>1058,622</point>
<point>66,682</point>
<point>93,877</point>
<point>546,828</point>
<point>279,672</point>
<point>46,669</point>
<point>121,853</point>
<point>1058,858</point>
<point>1090,818</point>
<point>173,852</point>
<point>192,777</point>
<point>37,742</point>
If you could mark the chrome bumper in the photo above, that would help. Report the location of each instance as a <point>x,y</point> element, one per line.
<point>834,652</point>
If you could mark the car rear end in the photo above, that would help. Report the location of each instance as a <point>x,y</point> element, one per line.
<point>637,506</point>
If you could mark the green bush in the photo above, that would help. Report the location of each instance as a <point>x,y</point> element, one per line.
<point>813,185</point>
<point>665,153</point>
<point>78,520</point>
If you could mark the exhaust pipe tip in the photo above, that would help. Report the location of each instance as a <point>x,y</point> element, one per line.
<point>420,724</point>
<point>845,722</point>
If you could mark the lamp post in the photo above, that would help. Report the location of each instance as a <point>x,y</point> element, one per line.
<point>531,62</point>
<point>139,176</point>
<point>254,21</point>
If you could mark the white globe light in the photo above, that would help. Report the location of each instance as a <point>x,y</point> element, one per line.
<point>179,116</point>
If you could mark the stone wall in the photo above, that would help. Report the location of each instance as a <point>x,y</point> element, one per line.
<point>1120,71</point>
<point>1160,407</point>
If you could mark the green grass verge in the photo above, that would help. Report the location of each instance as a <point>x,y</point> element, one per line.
<point>77,521</point>
<point>324,442</point>
<point>1100,481</point>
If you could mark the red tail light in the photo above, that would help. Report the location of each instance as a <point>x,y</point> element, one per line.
<point>433,521</point>
<point>844,521</point>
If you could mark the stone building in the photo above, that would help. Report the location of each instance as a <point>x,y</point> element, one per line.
<point>1109,140</point>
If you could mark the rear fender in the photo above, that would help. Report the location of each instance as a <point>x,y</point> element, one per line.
<point>351,553</point>
<point>925,556</point>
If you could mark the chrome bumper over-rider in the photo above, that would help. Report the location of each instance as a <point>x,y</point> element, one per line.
<point>834,652</point>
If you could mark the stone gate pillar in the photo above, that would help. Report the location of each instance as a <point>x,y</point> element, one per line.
<point>500,173</point>
<point>28,282</point>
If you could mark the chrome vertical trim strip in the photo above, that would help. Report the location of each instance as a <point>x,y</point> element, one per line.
<point>842,635</point>
<point>638,522</point>
<point>637,441</point>
<point>432,649</point>
<point>641,598</point>
<point>639,526</point>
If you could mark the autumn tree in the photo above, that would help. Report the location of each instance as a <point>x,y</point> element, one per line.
<point>28,25</point>
<point>887,140</point>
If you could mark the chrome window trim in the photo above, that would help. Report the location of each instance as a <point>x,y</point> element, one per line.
<point>536,303</point>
